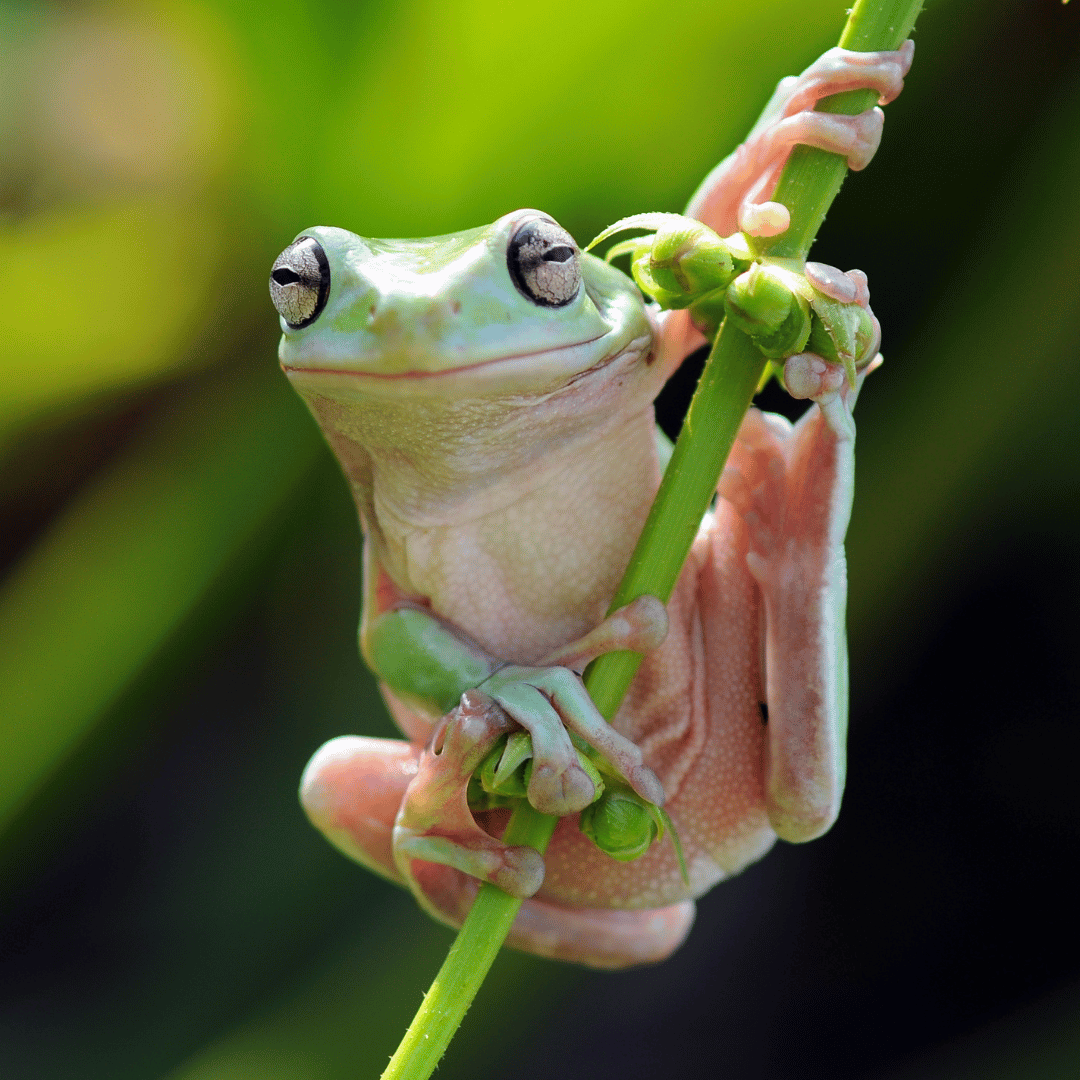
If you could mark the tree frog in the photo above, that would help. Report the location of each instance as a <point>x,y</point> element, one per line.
<point>489,397</point>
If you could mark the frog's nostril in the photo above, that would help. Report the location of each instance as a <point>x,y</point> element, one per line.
<point>455,307</point>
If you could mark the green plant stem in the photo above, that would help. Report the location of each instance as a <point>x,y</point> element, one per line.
<point>467,964</point>
<point>807,186</point>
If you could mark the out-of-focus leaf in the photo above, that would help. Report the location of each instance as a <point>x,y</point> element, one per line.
<point>101,299</point>
<point>447,116</point>
<point>105,587</point>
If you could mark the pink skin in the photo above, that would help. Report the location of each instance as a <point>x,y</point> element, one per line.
<point>757,615</point>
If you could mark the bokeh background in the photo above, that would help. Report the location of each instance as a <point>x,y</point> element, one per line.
<point>180,556</point>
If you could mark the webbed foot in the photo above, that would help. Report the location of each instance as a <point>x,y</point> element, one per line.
<point>550,701</point>
<point>737,194</point>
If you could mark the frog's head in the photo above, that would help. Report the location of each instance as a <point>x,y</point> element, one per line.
<point>511,307</point>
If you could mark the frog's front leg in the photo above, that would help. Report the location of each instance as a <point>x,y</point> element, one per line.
<point>735,194</point>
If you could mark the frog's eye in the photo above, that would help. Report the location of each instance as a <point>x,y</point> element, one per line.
<point>300,282</point>
<point>543,263</point>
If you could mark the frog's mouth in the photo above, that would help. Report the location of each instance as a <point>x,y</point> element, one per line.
<point>541,370</point>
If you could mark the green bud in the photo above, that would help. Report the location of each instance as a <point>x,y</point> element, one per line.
<point>758,301</point>
<point>841,333</point>
<point>766,303</point>
<point>502,778</point>
<point>689,260</point>
<point>681,261</point>
<point>503,770</point>
<point>621,824</point>
<point>709,311</point>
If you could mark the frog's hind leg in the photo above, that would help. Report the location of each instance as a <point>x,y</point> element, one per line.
<point>792,486</point>
<point>393,807</point>
<point>354,789</point>
<point>596,937</point>
<point>601,938</point>
<point>351,791</point>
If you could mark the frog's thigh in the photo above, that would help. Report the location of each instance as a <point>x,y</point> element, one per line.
<point>792,488</point>
<point>352,789</point>
<point>601,938</point>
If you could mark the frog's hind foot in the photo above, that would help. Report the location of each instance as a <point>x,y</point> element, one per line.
<point>435,823</point>
<point>738,192</point>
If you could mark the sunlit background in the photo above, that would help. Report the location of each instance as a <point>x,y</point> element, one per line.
<point>180,555</point>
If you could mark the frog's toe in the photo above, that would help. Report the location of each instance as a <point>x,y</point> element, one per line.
<point>581,716</point>
<point>558,784</point>
<point>351,791</point>
<point>855,138</point>
<point>518,871</point>
<point>639,626</point>
<point>839,69</point>
<point>807,375</point>
<point>558,790</point>
<point>834,282</point>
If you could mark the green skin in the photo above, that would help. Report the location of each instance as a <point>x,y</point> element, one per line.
<point>503,457</point>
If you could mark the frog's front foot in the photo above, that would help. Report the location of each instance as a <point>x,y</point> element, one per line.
<point>855,138</point>
<point>550,701</point>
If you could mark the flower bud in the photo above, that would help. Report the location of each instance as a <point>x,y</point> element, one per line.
<point>767,305</point>
<point>502,778</point>
<point>681,261</point>
<point>621,824</point>
<point>503,771</point>
<point>689,259</point>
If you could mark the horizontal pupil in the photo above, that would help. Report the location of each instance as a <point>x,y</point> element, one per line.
<point>559,254</point>
<point>284,276</point>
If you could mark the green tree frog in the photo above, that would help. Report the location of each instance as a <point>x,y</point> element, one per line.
<point>489,396</point>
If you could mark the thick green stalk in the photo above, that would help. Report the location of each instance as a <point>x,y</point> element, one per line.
<point>807,186</point>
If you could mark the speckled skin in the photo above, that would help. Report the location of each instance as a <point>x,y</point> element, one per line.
<point>694,708</point>
<point>510,513</point>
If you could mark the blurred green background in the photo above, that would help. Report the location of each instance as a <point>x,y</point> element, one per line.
<point>180,555</point>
